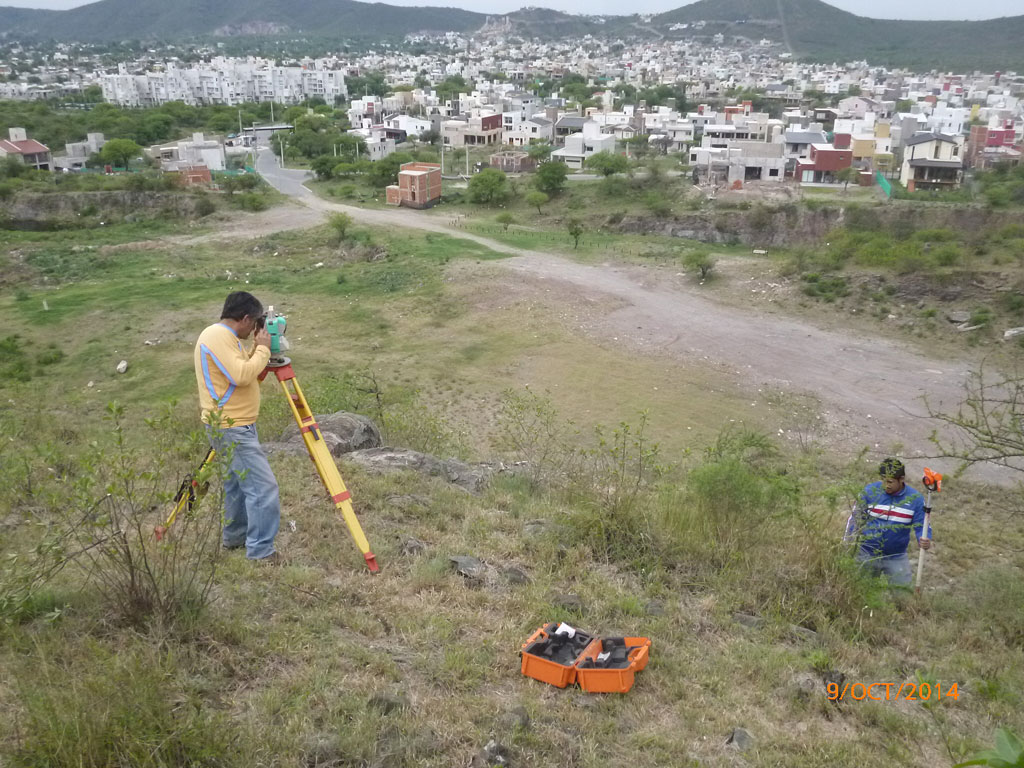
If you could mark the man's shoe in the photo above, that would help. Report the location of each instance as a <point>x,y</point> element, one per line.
<point>272,559</point>
<point>232,547</point>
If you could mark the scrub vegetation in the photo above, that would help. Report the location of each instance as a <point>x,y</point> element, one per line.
<point>719,543</point>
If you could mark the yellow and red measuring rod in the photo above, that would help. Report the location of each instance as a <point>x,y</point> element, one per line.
<point>188,495</point>
<point>321,455</point>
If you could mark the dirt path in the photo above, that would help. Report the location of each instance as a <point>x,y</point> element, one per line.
<point>870,388</point>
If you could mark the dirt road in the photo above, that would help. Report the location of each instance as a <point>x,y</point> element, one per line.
<point>870,388</point>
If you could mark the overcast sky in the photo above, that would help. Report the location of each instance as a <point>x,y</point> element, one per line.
<point>879,9</point>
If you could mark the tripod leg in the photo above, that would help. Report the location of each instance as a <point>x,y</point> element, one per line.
<point>323,460</point>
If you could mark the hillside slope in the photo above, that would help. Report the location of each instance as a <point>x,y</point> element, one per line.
<point>811,29</point>
<point>818,31</point>
<point>170,19</point>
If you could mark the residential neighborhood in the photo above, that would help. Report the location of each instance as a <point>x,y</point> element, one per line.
<point>881,122</point>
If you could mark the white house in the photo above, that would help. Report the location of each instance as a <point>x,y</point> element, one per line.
<point>535,129</point>
<point>186,154</point>
<point>579,146</point>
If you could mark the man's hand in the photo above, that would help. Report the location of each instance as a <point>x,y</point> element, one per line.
<point>262,338</point>
<point>924,543</point>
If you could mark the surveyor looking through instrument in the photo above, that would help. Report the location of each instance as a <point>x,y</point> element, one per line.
<point>229,397</point>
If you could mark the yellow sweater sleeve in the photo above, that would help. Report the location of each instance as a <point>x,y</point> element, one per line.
<point>227,375</point>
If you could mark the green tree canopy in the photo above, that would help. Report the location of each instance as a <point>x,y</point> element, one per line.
<point>120,152</point>
<point>607,163</point>
<point>551,177</point>
<point>489,187</point>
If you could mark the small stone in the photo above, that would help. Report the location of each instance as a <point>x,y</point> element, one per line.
<point>747,620</point>
<point>535,527</point>
<point>568,602</point>
<point>467,566</point>
<point>1009,333</point>
<point>405,502</point>
<point>740,739</point>
<point>412,546</point>
<point>958,316</point>
<point>804,685</point>
<point>655,608</point>
<point>803,632</point>
<point>491,755</point>
<point>515,575</point>
<point>122,366</point>
<point>91,384</point>
<point>388,702</point>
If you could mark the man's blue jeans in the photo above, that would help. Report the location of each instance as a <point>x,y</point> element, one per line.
<point>252,512</point>
<point>895,567</point>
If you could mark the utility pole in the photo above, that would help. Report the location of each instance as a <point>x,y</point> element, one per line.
<point>280,143</point>
<point>271,111</point>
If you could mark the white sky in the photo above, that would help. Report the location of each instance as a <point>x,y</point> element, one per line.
<point>879,9</point>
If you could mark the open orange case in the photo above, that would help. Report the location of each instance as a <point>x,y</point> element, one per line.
<point>566,669</point>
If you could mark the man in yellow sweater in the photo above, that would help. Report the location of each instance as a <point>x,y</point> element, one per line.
<point>229,398</point>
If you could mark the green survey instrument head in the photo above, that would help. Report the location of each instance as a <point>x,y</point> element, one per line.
<point>276,325</point>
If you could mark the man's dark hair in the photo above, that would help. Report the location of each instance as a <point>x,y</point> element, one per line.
<point>892,468</point>
<point>239,304</point>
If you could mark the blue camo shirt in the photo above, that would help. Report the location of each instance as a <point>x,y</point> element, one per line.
<point>886,520</point>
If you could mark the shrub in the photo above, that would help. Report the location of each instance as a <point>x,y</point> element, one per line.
<point>108,518</point>
<point>250,201</point>
<point>204,206</point>
<point>947,255</point>
<point>700,260</point>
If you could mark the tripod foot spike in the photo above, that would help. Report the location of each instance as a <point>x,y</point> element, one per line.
<point>371,561</point>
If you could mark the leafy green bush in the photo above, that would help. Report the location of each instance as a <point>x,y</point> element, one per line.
<point>251,201</point>
<point>828,289</point>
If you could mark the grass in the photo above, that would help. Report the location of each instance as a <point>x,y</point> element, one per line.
<point>288,665</point>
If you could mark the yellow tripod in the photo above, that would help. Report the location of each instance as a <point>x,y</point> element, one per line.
<point>188,495</point>
<point>191,491</point>
<point>320,453</point>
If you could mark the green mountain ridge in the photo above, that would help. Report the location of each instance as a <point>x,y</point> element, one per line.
<point>811,29</point>
<point>815,30</point>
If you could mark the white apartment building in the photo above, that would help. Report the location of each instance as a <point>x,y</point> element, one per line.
<point>224,81</point>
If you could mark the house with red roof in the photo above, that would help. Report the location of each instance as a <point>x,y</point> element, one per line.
<point>29,151</point>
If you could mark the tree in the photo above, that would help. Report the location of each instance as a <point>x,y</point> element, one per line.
<point>540,151</point>
<point>12,167</point>
<point>551,177</point>
<point>323,166</point>
<point>575,229</point>
<point>505,218</point>
<point>119,152</point>
<point>92,94</point>
<point>536,198</point>
<point>846,175</point>
<point>340,223</point>
<point>607,163</point>
<point>854,90</point>
<point>488,187</point>
<point>430,136</point>
<point>701,261</point>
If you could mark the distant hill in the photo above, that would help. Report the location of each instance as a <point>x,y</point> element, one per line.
<point>818,31</point>
<point>110,20</point>
<point>810,28</point>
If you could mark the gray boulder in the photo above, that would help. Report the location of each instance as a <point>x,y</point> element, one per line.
<point>344,432</point>
<point>471,477</point>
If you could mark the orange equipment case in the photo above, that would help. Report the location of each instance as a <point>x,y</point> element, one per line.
<point>547,670</point>
<point>603,680</point>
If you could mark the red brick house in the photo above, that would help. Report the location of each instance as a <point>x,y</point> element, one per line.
<point>823,163</point>
<point>419,186</point>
